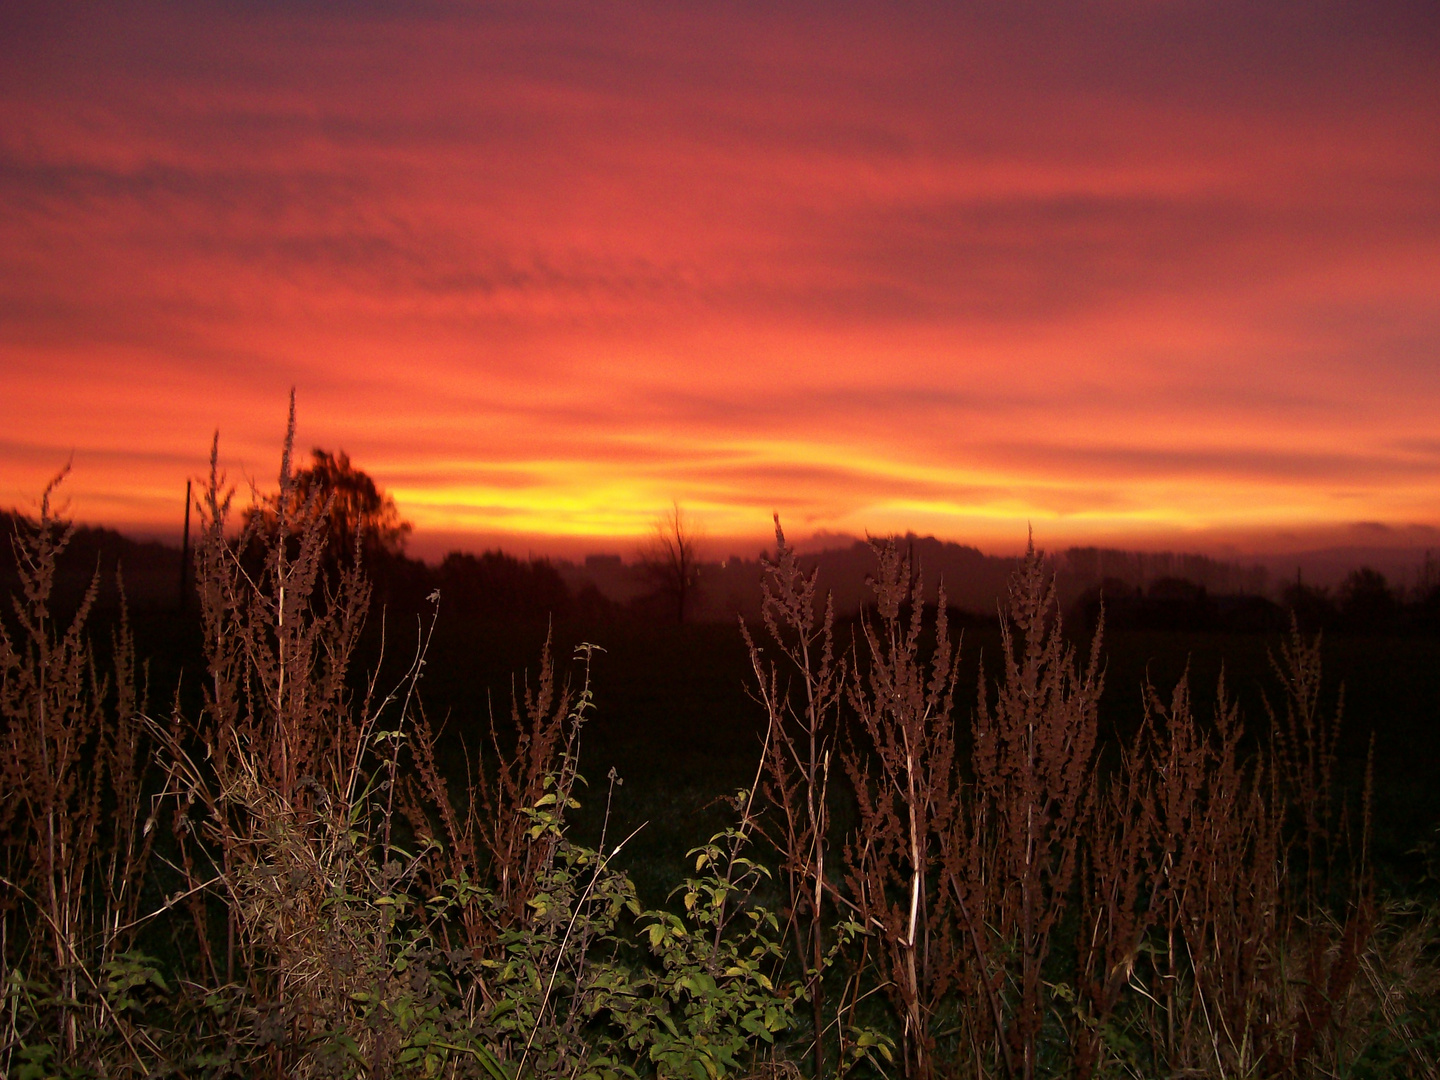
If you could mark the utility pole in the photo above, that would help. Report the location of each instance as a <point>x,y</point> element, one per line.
<point>185,551</point>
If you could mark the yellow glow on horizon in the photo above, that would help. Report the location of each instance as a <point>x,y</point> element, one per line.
<point>573,500</point>
<point>869,287</point>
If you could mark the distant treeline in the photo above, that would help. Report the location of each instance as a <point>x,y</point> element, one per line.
<point>1365,603</point>
<point>149,569</point>
<point>492,585</point>
<point>1139,591</point>
<point>1084,567</point>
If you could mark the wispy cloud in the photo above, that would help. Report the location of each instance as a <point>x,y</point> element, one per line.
<point>1120,267</point>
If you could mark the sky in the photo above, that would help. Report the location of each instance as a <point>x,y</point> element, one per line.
<point>1155,274</point>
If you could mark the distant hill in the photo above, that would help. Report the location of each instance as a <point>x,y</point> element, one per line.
<point>497,586</point>
<point>973,580</point>
<point>1081,569</point>
<point>1328,567</point>
<point>150,569</point>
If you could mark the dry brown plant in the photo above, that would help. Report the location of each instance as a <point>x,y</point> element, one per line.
<point>1331,911</point>
<point>1303,750</point>
<point>802,706</point>
<point>1223,856</point>
<point>903,770</point>
<point>1118,887</point>
<point>1216,911</point>
<point>1012,856</point>
<point>277,787</point>
<point>488,841</point>
<point>1398,991</point>
<point>279,637</point>
<point>74,844</point>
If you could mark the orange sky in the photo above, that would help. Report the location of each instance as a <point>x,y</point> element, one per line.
<point>1136,273</point>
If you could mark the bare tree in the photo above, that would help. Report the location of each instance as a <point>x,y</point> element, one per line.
<point>669,557</point>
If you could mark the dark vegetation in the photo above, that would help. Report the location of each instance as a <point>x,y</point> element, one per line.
<point>333,818</point>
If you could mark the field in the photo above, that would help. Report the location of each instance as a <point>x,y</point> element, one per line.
<point>309,839</point>
<point>675,715</point>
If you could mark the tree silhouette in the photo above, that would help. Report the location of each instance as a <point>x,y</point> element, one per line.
<point>496,585</point>
<point>1312,605</point>
<point>355,508</point>
<point>669,558</point>
<point>1367,602</point>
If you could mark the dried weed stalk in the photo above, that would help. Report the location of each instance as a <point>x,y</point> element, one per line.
<point>73,843</point>
<point>287,780</point>
<point>902,767</point>
<point>1013,854</point>
<point>803,709</point>
<point>489,840</point>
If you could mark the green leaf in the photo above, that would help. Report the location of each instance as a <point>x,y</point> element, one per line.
<point>492,1065</point>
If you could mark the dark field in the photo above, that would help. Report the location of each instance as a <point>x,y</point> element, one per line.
<point>676,721</point>
<point>674,717</point>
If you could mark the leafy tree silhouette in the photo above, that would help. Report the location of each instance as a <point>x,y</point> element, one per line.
<point>1367,602</point>
<point>1313,607</point>
<point>356,509</point>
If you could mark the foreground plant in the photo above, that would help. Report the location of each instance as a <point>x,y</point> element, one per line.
<point>1189,904</point>
<point>74,847</point>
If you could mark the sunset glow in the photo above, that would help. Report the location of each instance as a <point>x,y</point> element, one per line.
<point>1135,274</point>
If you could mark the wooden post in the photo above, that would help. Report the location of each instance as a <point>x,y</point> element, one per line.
<point>185,551</point>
